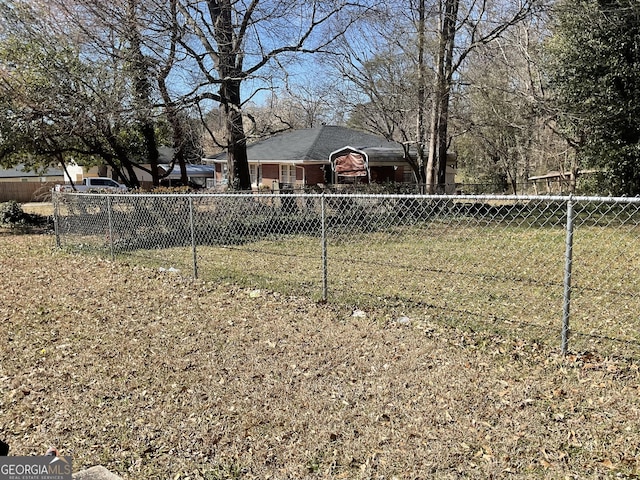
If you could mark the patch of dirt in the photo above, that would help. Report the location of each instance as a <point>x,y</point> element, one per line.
<point>39,208</point>
<point>157,376</point>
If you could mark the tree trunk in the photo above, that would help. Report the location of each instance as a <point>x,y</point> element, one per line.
<point>142,91</point>
<point>436,103</point>
<point>173,114</point>
<point>151,146</point>
<point>177,130</point>
<point>119,161</point>
<point>236,140</point>
<point>229,67</point>
<point>433,142</point>
<point>420,130</point>
<point>444,89</point>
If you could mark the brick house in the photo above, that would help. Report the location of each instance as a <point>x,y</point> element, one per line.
<point>301,158</point>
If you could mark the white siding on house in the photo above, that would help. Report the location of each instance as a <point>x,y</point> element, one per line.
<point>255,171</point>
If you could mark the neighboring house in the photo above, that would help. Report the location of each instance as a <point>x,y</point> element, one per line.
<point>76,173</point>
<point>23,185</point>
<point>198,175</point>
<point>301,158</point>
<point>294,159</point>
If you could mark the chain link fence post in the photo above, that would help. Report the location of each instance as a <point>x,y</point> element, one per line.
<point>56,215</point>
<point>568,261</point>
<point>193,239</point>
<point>110,220</point>
<point>325,274</point>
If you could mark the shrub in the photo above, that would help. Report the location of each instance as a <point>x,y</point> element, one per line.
<point>11,214</point>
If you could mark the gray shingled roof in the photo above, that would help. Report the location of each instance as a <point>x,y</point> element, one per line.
<point>311,144</point>
<point>193,171</point>
<point>19,171</point>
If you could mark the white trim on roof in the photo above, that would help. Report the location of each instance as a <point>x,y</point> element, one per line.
<point>19,172</point>
<point>193,171</point>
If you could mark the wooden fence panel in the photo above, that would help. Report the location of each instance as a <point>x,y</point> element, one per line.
<point>23,192</point>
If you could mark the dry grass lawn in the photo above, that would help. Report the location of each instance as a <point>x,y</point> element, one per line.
<point>158,376</point>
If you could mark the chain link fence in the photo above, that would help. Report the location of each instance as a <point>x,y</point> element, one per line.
<point>554,271</point>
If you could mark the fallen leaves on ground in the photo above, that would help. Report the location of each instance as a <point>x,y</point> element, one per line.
<point>154,375</point>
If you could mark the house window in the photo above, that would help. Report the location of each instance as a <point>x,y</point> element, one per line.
<point>224,177</point>
<point>256,174</point>
<point>288,174</point>
<point>407,175</point>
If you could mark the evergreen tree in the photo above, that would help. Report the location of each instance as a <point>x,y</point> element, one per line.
<point>595,79</point>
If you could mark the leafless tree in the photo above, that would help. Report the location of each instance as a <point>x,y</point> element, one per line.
<point>435,38</point>
<point>239,46</point>
<point>506,129</point>
<point>462,27</point>
<point>140,38</point>
<point>306,104</point>
<point>384,77</point>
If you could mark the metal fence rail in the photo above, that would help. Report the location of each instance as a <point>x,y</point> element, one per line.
<point>560,271</point>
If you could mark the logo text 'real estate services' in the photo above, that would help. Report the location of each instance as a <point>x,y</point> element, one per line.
<point>35,468</point>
